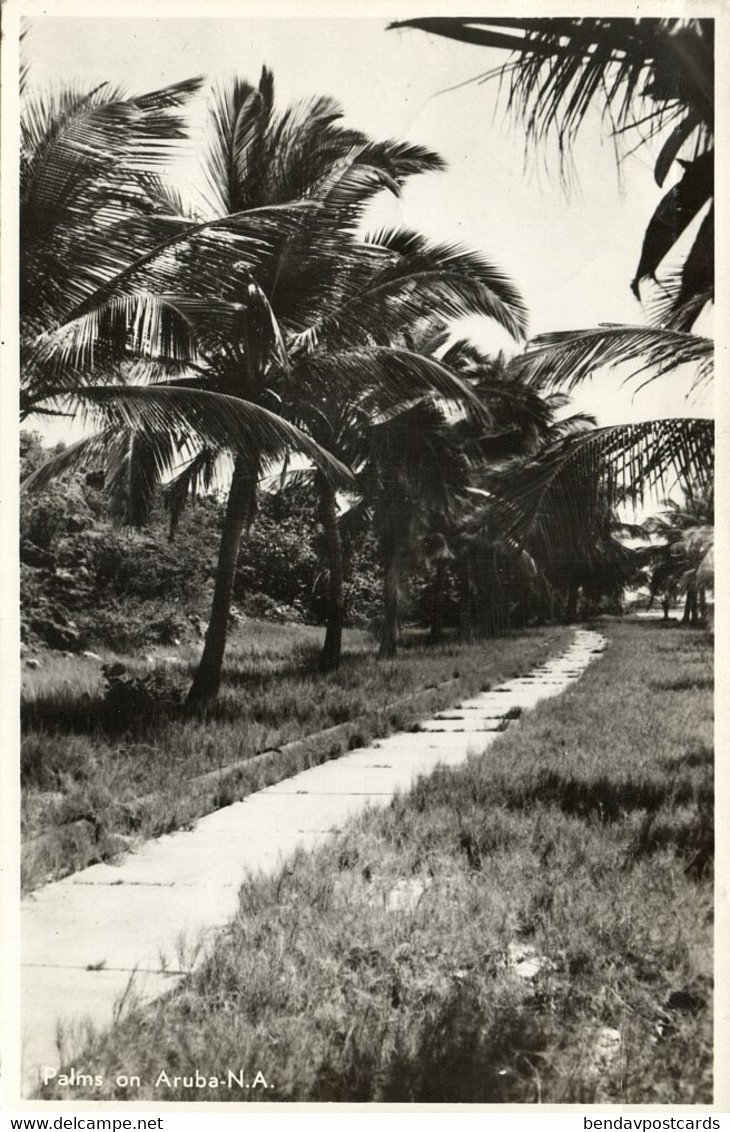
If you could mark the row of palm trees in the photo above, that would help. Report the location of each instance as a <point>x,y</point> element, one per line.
<point>260,321</point>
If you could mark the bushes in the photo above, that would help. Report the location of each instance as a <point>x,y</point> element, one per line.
<point>88,583</point>
<point>131,700</point>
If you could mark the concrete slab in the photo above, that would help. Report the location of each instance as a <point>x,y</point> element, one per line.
<point>71,925</point>
<point>51,1031</point>
<point>153,915</point>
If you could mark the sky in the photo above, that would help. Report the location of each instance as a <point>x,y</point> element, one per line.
<point>571,252</point>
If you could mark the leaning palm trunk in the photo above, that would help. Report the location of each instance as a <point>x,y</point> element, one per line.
<point>238,518</point>
<point>332,649</point>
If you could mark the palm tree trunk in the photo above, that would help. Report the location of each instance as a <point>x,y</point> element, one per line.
<point>437,603</point>
<point>689,605</point>
<point>702,604</point>
<point>238,518</point>
<point>332,648</point>
<point>694,613</point>
<point>391,588</point>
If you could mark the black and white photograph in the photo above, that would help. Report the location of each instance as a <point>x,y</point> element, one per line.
<point>359,586</point>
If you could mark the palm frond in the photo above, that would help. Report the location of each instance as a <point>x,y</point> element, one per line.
<point>385,376</point>
<point>673,214</point>
<point>664,307</point>
<point>198,474</point>
<point>547,496</point>
<point>559,67</point>
<point>75,142</point>
<point>227,251</point>
<point>405,275</point>
<point>136,463</point>
<point>90,452</point>
<point>147,325</point>
<point>200,417</point>
<point>568,357</point>
<point>234,164</point>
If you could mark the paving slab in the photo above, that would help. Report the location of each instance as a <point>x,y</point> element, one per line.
<point>51,1031</point>
<point>152,916</point>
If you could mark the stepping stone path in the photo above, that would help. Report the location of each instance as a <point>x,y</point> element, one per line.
<point>131,931</point>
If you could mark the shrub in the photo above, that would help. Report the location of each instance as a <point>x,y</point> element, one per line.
<point>129,700</point>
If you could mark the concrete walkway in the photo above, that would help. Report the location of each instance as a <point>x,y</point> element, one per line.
<point>131,931</point>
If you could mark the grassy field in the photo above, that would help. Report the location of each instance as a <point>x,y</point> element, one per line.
<point>533,927</point>
<point>101,771</point>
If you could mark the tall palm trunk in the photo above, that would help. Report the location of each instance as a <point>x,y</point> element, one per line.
<point>702,604</point>
<point>689,616</point>
<point>238,518</point>
<point>332,648</point>
<point>391,590</point>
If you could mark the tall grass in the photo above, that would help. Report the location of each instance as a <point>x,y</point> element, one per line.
<point>97,776</point>
<point>556,948</point>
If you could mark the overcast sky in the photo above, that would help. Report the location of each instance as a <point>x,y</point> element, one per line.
<point>572,256</point>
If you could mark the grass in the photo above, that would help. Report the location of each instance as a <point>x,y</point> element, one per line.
<point>557,947</point>
<point>100,773</point>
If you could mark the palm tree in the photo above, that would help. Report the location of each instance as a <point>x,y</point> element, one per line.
<point>326,303</point>
<point>560,505</point>
<point>683,563</point>
<point>520,417</point>
<point>114,306</point>
<point>654,77</point>
<point>497,572</point>
<point>371,355</point>
<point>422,465</point>
<point>414,469</point>
<point>315,314</point>
<point>92,200</point>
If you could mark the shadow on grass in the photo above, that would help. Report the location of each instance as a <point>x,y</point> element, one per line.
<point>457,1059</point>
<point>142,713</point>
<point>685,684</point>
<point>602,798</point>
<point>701,755</point>
<point>142,709</point>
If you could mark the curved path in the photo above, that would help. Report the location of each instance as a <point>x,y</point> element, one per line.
<point>132,930</point>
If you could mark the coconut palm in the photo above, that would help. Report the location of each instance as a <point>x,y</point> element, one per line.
<point>498,573</point>
<point>561,505</point>
<point>683,562</point>
<point>372,354</point>
<point>330,299</point>
<point>423,461</point>
<point>317,315</point>
<point>521,416</point>
<point>91,201</point>
<point>114,306</point>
